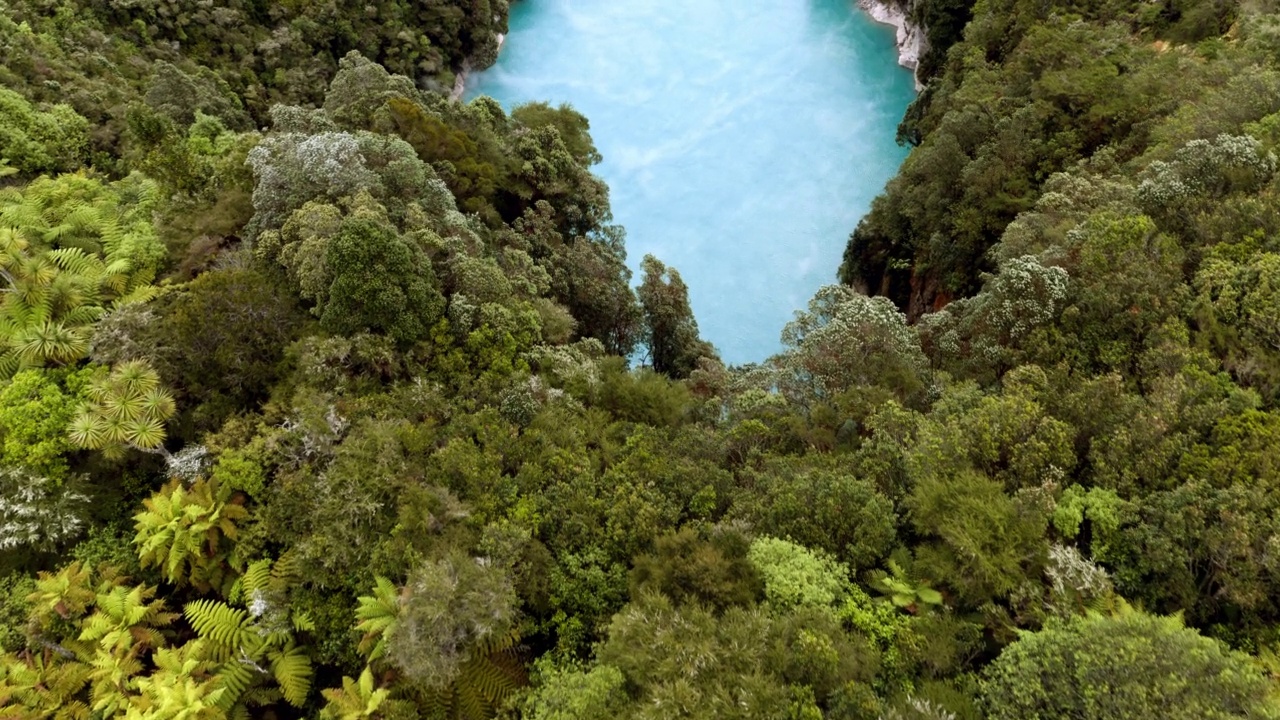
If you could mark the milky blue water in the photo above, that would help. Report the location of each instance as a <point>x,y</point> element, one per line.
<point>742,139</point>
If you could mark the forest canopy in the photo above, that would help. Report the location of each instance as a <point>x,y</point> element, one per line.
<point>323,394</point>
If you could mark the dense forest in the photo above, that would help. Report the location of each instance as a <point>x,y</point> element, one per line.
<point>325,395</point>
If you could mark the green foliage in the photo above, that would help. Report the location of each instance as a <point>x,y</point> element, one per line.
<point>671,332</point>
<point>36,140</point>
<point>70,249</point>
<point>452,612</point>
<point>688,662</point>
<point>795,576</point>
<point>378,616</point>
<point>35,409</point>
<point>179,688</point>
<point>380,285</point>
<point>14,588</point>
<point>986,543</point>
<point>188,533</point>
<point>355,700</point>
<point>844,340</point>
<point>712,572</point>
<point>256,644</point>
<point>822,508</point>
<point>217,341</point>
<point>568,694</point>
<point>902,592</point>
<point>1131,665</point>
<point>449,631</point>
<point>1064,396</point>
<point>126,408</point>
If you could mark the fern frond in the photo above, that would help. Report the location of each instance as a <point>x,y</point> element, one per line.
<point>303,622</point>
<point>224,626</point>
<point>287,571</point>
<point>378,615</point>
<point>256,578</point>
<point>140,293</point>
<point>291,667</point>
<point>235,676</point>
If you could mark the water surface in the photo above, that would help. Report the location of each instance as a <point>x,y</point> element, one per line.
<point>742,140</point>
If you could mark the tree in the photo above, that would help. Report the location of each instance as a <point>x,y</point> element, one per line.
<point>35,140</point>
<point>844,340</point>
<point>568,694</point>
<point>671,332</point>
<point>297,165</point>
<point>35,408</point>
<point>979,336</point>
<point>380,284</point>
<point>126,408</point>
<point>795,576</point>
<point>1132,665</point>
<point>449,632</point>
<point>448,608</point>
<point>713,572</point>
<point>38,513</point>
<point>1238,313</point>
<point>218,341</point>
<point>985,544</point>
<point>822,508</point>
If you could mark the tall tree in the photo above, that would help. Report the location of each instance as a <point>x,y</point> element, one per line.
<point>670,328</point>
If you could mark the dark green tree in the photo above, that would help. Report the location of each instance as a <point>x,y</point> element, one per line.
<point>381,284</point>
<point>671,332</point>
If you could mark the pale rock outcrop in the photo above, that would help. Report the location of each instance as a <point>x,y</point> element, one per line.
<point>911,39</point>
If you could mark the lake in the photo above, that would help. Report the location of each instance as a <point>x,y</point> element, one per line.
<point>742,141</point>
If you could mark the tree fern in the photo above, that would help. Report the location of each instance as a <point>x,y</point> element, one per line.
<point>180,687</point>
<point>378,615</point>
<point>187,532</point>
<point>67,594</point>
<point>42,685</point>
<point>126,619</point>
<point>111,677</point>
<point>67,245</point>
<point>124,627</point>
<point>257,643</point>
<point>492,673</point>
<point>236,676</point>
<point>355,700</point>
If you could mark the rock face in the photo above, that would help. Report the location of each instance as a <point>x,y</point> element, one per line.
<point>911,39</point>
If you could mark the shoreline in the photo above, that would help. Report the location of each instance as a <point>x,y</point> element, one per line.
<point>910,39</point>
<point>460,81</point>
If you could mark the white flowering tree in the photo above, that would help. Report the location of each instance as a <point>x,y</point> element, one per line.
<point>983,332</point>
<point>38,513</point>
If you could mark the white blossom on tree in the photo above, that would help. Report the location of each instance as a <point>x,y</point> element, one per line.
<point>36,512</point>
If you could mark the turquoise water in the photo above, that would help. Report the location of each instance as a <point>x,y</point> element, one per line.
<point>742,141</point>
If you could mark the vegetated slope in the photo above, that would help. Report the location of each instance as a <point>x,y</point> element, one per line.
<point>332,418</point>
<point>1034,90</point>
